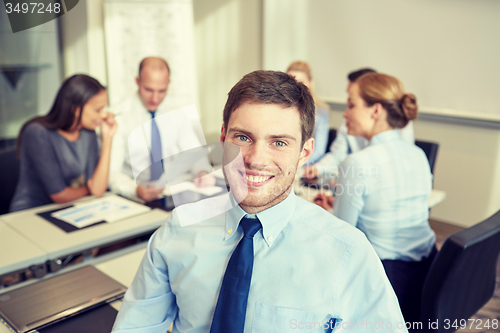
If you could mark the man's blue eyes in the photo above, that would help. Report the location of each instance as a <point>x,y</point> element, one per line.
<point>276,143</point>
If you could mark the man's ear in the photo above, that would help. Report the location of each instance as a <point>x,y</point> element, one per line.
<point>306,152</point>
<point>137,80</point>
<point>222,134</point>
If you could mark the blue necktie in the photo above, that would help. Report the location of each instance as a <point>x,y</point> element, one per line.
<point>156,154</point>
<point>229,316</point>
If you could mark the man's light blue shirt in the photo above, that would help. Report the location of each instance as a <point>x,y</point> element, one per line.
<point>309,267</point>
<point>384,190</point>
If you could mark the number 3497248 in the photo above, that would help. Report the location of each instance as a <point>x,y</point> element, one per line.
<point>471,324</point>
<point>33,8</point>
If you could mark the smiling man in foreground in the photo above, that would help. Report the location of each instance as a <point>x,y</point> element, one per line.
<point>271,262</point>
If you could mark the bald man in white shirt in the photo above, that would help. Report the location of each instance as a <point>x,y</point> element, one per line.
<point>153,81</point>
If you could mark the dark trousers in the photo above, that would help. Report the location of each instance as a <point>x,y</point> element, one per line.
<point>407,279</point>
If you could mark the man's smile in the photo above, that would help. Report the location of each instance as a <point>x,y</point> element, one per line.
<point>255,179</point>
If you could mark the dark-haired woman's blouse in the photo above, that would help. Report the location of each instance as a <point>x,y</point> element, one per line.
<point>50,163</point>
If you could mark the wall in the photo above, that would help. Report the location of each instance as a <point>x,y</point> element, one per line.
<point>466,167</point>
<point>31,60</point>
<point>228,45</point>
<point>83,40</point>
<point>444,51</point>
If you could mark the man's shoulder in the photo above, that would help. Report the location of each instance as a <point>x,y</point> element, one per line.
<point>126,105</point>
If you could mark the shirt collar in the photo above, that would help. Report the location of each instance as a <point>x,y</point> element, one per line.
<point>273,219</point>
<point>385,136</point>
<point>142,107</point>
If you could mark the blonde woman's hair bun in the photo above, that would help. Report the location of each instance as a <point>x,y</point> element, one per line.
<point>409,106</point>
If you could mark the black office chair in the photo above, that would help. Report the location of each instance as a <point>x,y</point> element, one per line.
<point>331,136</point>
<point>430,149</point>
<point>462,278</point>
<point>9,175</point>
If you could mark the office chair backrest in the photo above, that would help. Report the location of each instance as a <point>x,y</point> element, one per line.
<point>331,136</point>
<point>9,175</point>
<point>430,149</point>
<point>462,278</point>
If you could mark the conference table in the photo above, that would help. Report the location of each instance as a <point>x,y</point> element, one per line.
<point>30,241</point>
<point>34,247</point>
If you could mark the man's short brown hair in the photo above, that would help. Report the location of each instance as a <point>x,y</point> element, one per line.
<point>272,87</point>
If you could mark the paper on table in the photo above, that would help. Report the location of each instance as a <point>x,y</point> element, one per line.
<point>109,209</point>
<point>189,186</point>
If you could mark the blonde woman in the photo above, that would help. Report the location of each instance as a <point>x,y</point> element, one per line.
<point>383,189</point>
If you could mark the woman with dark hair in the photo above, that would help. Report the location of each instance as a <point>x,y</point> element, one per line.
<point>383,189</point>
<point>59,153</point>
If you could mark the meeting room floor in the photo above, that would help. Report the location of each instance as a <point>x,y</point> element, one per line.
<point>490,310</point>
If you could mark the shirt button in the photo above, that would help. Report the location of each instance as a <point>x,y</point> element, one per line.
<point>229,231</point>
<point>270,238</point>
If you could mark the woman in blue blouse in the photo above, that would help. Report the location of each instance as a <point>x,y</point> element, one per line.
<point>59,153</point>
<point>383,189</point>
<point>303,74</point>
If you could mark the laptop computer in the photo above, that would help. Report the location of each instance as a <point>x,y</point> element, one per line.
<point>43,303</point>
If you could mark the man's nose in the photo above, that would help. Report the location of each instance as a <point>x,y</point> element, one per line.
<point>256,156</point>
<point>156,97</point>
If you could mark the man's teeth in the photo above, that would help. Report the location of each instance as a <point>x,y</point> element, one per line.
<point>256,179</point>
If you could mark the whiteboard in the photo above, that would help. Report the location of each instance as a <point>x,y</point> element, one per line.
<point>445,52</point>
<point>137,29</point>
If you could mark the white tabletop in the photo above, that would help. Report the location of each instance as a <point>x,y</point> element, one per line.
<point>56,243</point>
<point>17,252</point>
<point>122,269</point>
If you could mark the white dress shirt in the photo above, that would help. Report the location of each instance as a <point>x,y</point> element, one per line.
<point>309,267</point>
<point>384,190</point>
<point>131,143</point>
